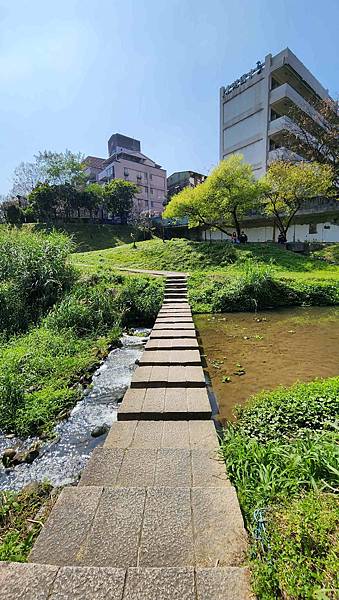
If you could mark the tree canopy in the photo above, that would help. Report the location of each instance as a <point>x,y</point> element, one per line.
<point>287,185</point>
<point>222,200</point>
<point>314,134</point>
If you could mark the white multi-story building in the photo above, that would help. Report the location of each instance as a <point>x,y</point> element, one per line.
<point>253,115</point>
<point>126,161</point>
<point>253,108</point>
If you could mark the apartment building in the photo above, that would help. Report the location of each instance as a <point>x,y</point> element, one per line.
<point>181,179</point>
<point>253,116</point>
<point>254,108</point>
<point>126,161</point>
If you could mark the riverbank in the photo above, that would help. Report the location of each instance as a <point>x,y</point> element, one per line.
<point>226,277</point>
<point>282,457</point>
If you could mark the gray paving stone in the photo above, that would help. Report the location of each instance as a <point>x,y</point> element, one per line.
<point>198,402</point>
<point>219,533</point>
<point>173,468</point>
<point>171,357</point>
<point>89,583</point>
<point>154,401</point>
<point>228,583</point>
<point>22,581</point>
<point>67,526</point>
<point>174,319</point>
<point>175,434</point>
<point>121,433</point>
<point>168,376</point>
<point>148,434</point>
<point>174,326</point>
<point>131,404</point>
<point>160,584</point>
<point>172,344</point>
<point>175,333</point>
<point>167,537</point>
<point>103,467</point>
<point>114,535</point>
<point>208,470</point>
<point>203,434</point>
<point>138,468</point>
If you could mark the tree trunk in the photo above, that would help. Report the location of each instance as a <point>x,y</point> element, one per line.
<point>236,223</point>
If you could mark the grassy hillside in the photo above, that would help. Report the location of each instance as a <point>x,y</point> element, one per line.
<point>86,236</point>
<point>185,255</point>
<point>330,253</point>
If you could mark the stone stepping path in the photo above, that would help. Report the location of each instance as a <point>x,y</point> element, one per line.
<point>154,516</point>
<point>165,403</point>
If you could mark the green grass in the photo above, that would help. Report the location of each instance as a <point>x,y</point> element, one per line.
<point>330,253</point>
<point>22,515</point>
<point>87,236</point>
<point>40,371</point>
<point>282,456</point>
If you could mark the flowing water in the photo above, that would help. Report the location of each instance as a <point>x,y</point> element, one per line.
<point>246,352</point>
<point>61,461</point>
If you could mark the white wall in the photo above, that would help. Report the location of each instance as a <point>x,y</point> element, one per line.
<point>296,233</point>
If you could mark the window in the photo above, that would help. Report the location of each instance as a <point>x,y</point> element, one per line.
<point>312,228</point>
<point>274,84</point>
<point>152,203</point>
<point>274,115</point>
<point>151,190</point>
<point>150,176</point>
<point>126,172</point>
<point>146,176</point>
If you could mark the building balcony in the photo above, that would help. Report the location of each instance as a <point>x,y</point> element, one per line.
<point>278,125</point>
<point>283,154</point>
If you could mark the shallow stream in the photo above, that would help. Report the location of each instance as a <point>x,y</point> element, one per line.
<point>61,461</point>
<point>247,352</point>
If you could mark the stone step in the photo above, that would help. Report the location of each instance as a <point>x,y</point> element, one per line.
<point>176,376</point>
<point>173,326</point>
<point>172,333</point>
<point>31,581</point>
<point>174,312</point>
<point>176,286</point>
<point>170,357</point>
<point>165,403</point>
<point>162,467</point>
<point>175,302</point>
<point>174,319</point>
<point>143,527</point>
<point>163,434</point>
<point>172,344</point>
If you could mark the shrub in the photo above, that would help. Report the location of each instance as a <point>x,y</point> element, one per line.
<point>288,412</point>
<point>140,299</point>
<point>90,307</point>
<point>33,274</point>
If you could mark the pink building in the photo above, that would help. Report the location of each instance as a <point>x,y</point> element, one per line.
<point>126,161</point>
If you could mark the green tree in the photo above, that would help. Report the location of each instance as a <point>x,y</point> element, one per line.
<point>287,185</point>
<point>315,139</point>
<point>91,197</point>
<point>13,213</point>
<point>228,193</point>
<point>118,196</point>
<point>62,167</point>
<point>53,201</point>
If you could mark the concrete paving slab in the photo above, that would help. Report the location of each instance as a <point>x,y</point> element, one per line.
<point>67,527</point>
<point>103,467</point>
<point>172,344</point>
<point>170,357</point>
<point>163,434</point>
<point>160,584</point>
<point>166,404</point>
<point>138,468</point>
<point>89,583</point>
<point>115,532</point>
<point>208,470</point>
<point>219,533</point>
<point>174,319</point>
<point>167,536</point>
<point>121,433</point>
<point>168,376</point>
<point>177,326</point>
<point>228,583</point>
<point>173,468</point>
<point>23,581</point>
<point>172,333</point>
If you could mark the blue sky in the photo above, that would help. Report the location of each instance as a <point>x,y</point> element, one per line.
<point>73,72</point>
